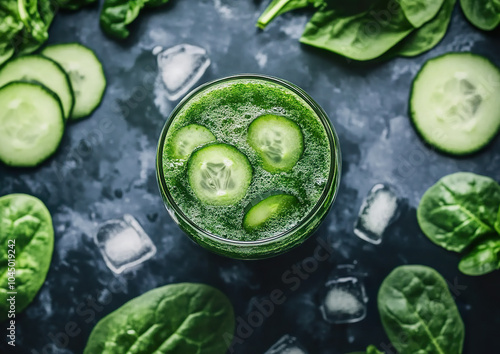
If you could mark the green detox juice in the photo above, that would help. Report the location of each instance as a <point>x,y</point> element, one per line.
<point>248,166</point>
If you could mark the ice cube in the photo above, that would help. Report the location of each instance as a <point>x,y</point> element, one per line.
<point>180,67</point>
<point>377,212</point>
<point>286,345</point>
<point>344,301</point>
<point>123,243</point>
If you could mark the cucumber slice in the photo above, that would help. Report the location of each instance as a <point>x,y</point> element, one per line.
<point>189,138</point>
<point>42,70</point>
<point>32,122</point>
<point>455,102</point>
<point>268,209</point>
<point>85,73</point>
<point>277,140</point>
<point>219,174</point>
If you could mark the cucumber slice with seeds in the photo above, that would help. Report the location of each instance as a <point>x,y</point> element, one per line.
<point>189,138</point>
<point>32,122</point>
<point>85,73</point>
<point>267,210</point>
<point>455,102</point>
<point>43,70</point>
<point>277,140</point>
<point>219,174</point>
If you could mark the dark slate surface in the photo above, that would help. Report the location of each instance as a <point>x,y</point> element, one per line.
<point>105,168</point>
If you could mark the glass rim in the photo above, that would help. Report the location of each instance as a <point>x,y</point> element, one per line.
<point>335,161</point>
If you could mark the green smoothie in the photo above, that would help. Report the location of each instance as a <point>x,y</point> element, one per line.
<point>247,159</point>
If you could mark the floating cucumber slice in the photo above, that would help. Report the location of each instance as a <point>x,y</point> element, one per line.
<point>219,174</point>
<point>32,124</point>
<point>277,140</point>
<point>189,138</point>
<point>43,70</point>
<point>267,210</point>
<point>455,102</point>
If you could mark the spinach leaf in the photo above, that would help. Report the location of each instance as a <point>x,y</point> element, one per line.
<point>36,15</point>
<point>429,35</point>
<point>26,221</point>
<point>484,14</point>
<point>26,26</point>
<point>181,318</point>
<point>47,10</point>
<point>116,15</point>
<point>10,26</point>
<point>361,36</point>
<point>419,12</point>
<point>483,258</point>
<point>459,209</point>
<point>28,12</point>
<point>415,305</point>
<point>278,7</point>
<point>373,350</point>
<point>497,224</point>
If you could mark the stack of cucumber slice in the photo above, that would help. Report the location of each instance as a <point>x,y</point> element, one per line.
<point>220,174</point>
<point>39,94</point>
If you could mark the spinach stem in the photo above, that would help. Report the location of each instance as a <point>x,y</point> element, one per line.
<point>271,12</point>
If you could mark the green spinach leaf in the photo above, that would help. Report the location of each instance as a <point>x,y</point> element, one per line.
<point>373,350</point>
<point>415,304</point>
<point>483,258</point>
<point>419,12</point>
<point>362,36</point>
<point>459,209</point>
<point>484,14</point>
<point>10,26</point>
<point>116,15</point>
<point>37,16</point>
<point>181,318</point>
<point>28,12</point>
<point>429,35</point>
<point>497,224</point>
<point>27,239</point>
<point>26,26</point>
<point>278,7</point>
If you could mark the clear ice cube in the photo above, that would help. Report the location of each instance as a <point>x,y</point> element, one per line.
<point>377,212</point>
<point>123,243</point>
<point>344,300</point>
<point>180,67</point>
<point>286,345</point>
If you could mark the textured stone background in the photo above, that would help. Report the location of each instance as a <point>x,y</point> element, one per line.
<point>105,168</point>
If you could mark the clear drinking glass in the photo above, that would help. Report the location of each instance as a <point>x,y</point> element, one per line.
<point>279,243</point>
